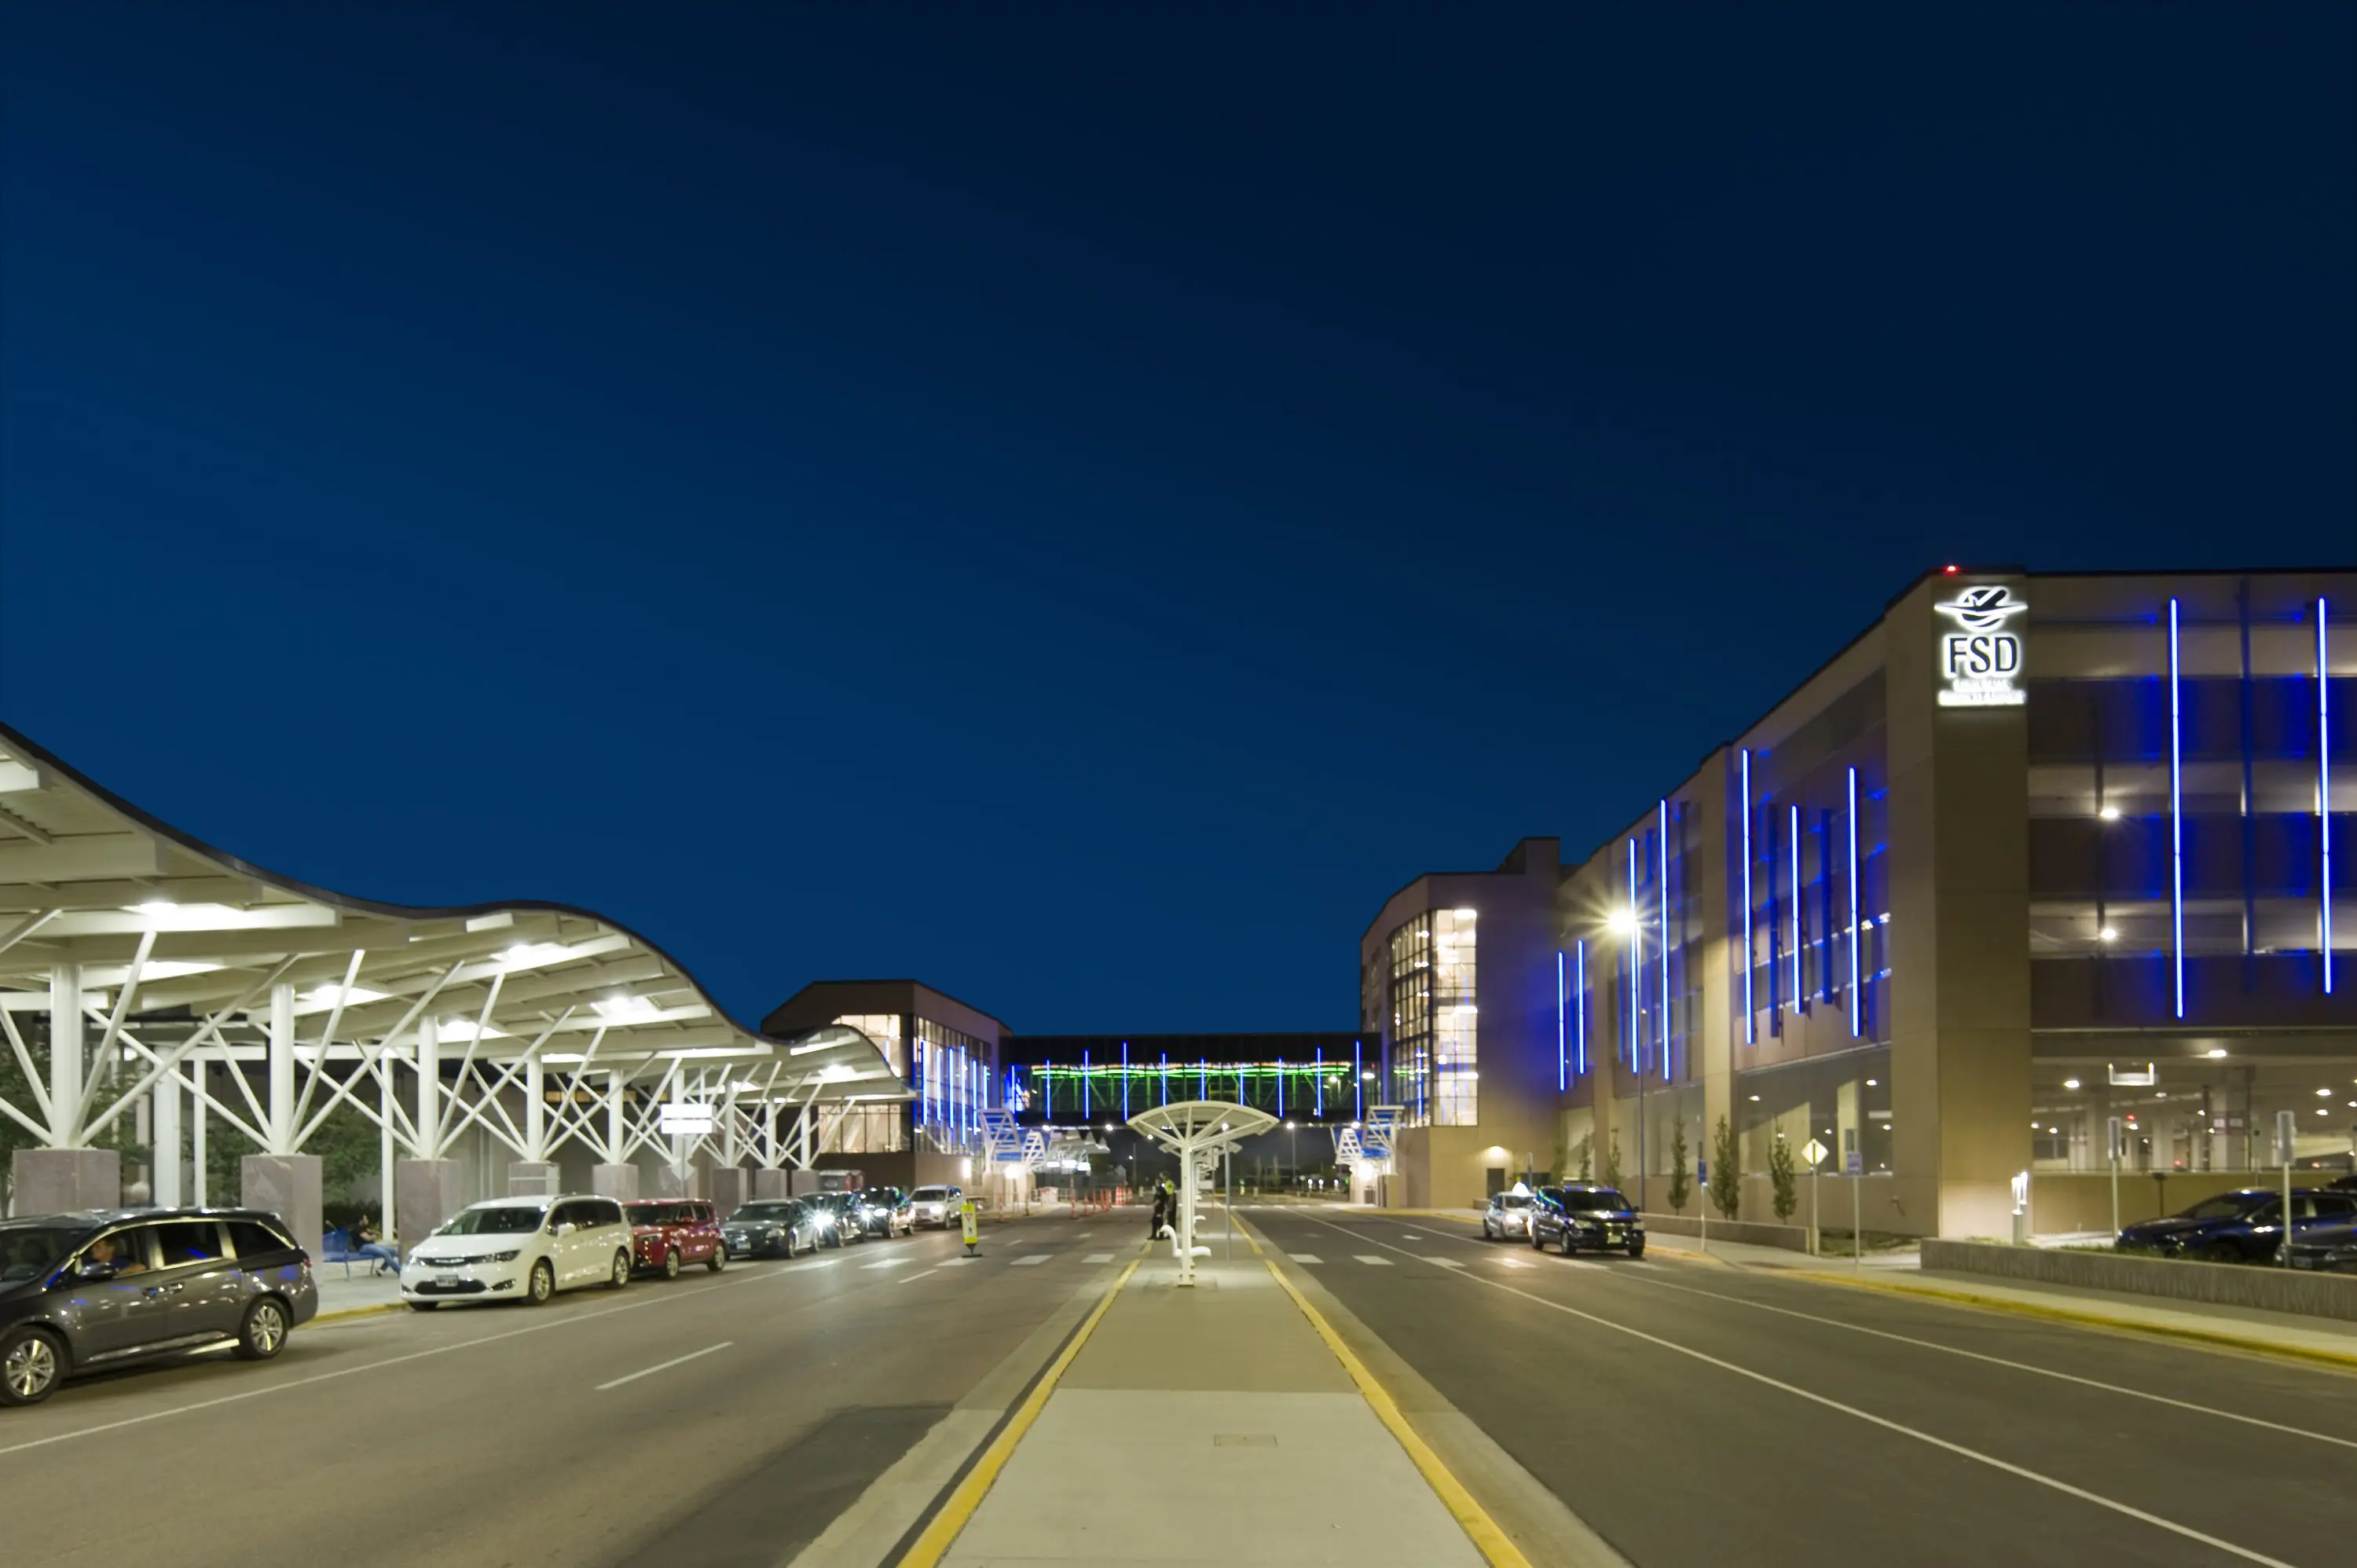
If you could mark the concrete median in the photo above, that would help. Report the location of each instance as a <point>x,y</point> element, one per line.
<point>2218,1285</point>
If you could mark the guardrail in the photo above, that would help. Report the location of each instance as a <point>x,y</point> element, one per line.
<point>2218,1285</point>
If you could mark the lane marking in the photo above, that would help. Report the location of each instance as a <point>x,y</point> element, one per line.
<point>1305,1257</point>
<point>1370,1258</point>
<point>666,1366</point>
<point>1991,1460</point>
<point>955,1513</point>
<point>1517,1263</point>
<point>1034,1258</point>
<point>1098,1258</point>
<point>1488,1540</point>
<point>885,1263</point>
<point>1076,1234</point>
<point>920,1273</point>
<point>1448,1262</point>
<point>2017,1366</point>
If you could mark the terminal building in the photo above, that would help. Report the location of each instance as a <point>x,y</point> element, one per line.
<point>2033,854</point>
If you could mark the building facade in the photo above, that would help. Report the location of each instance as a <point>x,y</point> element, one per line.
<point>2034,854</point>
<point>1091,1079</point>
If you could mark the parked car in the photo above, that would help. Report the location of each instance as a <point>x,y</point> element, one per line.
<point>1583,1217</point>
<point>2326,1247</point>
<point>668,1234</point>
<point>935,1206</point>
<point>839,1217</point>
<point>84,1292</point>
<point>771,1228</point>
<point>2242,1227</point>
<point>1509,1214</point>
<point>520,1249</point>
<point>885,1211</point>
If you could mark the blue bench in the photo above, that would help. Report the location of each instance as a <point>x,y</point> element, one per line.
<point>336,1247</point>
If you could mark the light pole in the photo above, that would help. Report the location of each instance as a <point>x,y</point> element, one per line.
<point>1293,1136</point>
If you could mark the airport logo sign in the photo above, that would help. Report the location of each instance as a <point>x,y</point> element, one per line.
<point>1980,659</point>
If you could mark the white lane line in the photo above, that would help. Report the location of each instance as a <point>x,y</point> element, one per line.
<point>1034,1258</point>
<point>1305,1257</point>
<point>666,1366</point>
<point>2017,1366</point>
<point>1449,1263</point>
<point>1517,1263</point>
<point>920,1273</point>
<point>1370,1258</point>
<point>1098,1258</point>
<point>885,1263</point>
<point>1416,1236</point>
<point>1078,1234</point>
<point>1991,1460</point>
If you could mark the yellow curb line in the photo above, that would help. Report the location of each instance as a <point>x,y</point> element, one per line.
<point>344,1313</point>
<point>956,1513</point>
<point>2338,1359</point>
<point>1487,1538</point>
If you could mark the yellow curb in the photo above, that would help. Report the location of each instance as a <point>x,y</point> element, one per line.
<point>345,1314</point>
<point>959,1510</point>
<point>1470,1517</point>
<point>2338,1359</point>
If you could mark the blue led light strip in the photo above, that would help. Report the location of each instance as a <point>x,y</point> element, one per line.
<point>1854,1000</point>
<point>1358,1082</point>
<point>1562,1066</point>
<point>1799,997</point>
<point>2176,820</point>
<point>1580,950</point>
<point>2324,782</point>
<point>1124,1081</point>
<point>1750,1022</point>
<point>1636,960</point>
<point>1661,894</point>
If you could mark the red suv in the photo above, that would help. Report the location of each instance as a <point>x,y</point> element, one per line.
<point>670,1233</point>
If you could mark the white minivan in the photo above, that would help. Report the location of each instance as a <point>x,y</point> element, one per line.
<point>519,1249</point>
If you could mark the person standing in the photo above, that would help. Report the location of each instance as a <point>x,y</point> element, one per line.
<point>1161,1209</point>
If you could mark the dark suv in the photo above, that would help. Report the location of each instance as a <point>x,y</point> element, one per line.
<point>669,1233</point>
<point>84,1292</point>
<point>2245,1227</point>
<point>1597,1218</point>
<point>885,1211</point>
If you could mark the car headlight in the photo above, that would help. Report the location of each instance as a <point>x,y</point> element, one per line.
<point>508,1257</point>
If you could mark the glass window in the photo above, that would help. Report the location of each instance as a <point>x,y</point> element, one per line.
<point>184,1241</point>
<point>498,1220</point>
<point>29,1252</point>
<point>252,1239</point>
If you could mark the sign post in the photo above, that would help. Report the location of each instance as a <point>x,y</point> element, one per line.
<point>1854,1162</point>
<point>1815,1153</point>
<point>969,1226</point>
<point>2287,1135</point>
<point>1702,1186</point>
<point>2117,1132</point>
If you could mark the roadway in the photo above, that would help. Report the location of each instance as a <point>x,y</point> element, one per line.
<point>715,1419</point>
<point>1696,1414</point>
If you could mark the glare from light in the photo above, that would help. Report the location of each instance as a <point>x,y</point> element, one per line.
<point>530,955</point>
<point>622,1007</point>
<point>2109,814</point>
<point>346,995</point>
<point>1621,921</point>
<point>2109,934</point>
<point>1465,914</point>
<point>2069,1083</point>
<point>2215,1052</point>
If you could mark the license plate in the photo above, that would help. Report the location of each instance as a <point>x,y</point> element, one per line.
<point>445,1281</point>
<point>2300,1263</point>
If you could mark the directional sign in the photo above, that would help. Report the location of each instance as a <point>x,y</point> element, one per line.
<point>1856,1162</point>
<point>1815,1151</point>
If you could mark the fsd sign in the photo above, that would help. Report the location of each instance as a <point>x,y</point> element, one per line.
<point>1980,658</point>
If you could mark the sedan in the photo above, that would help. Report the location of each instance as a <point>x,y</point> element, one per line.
<point>1585,1218</point>
<point>2244,1226</point>
<point>886,1212</point>
<point>771,1228</point>
<point>1509,1214</point>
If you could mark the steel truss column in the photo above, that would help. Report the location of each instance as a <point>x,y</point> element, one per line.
<point>65,1056</point>
<point>280,1125</point>
<point>164,1184</point>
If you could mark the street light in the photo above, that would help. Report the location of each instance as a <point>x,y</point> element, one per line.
<point>1293,1135</point>
<point>1621,922</point>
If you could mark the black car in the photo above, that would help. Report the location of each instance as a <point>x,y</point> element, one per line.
<point>771,1228</point>
<point>839,1221</point>
<point>2244,1226</point>
<point>2326,1249</point>
<point>99,1288</point>
<point>885,1211</point>
<point>1583,1217</point>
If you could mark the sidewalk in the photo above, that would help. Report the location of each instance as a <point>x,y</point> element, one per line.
<point>1204,1425</point>
<point>363,1293</point>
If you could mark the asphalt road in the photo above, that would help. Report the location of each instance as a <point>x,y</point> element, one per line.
<point>1696,1415</point>
<point>514,1436</point>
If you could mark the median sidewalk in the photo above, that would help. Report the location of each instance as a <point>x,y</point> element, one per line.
<point>1210,1424</point>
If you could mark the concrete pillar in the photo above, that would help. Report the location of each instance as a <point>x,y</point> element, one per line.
<point>621,1182</point>
<point>65,1056</point>
<point>56,1181</point>
<point>532,1178</point>
<point>769,1183</point>
<point>535,1110</point>
<point>281,1127</point>
<point>429,1086</point>
<point>287,1185</point>
<point>673,1182</point>
<point>165,1119</point>
<point>427,1193</point>
<point>200,1176</point>
<point>1959,935</point>
<point>731,1186</point>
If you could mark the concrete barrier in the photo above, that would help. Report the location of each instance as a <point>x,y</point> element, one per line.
<point>2220,1284</point>
<point>1791,1238</point>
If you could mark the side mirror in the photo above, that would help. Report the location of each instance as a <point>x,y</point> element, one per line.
<point>93,1269</point>
<point>564,1228</point>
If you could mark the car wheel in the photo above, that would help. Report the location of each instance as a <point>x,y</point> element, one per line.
<point>671,1264</point>
<point>1538,1242</point>
<point>264,1333</point>
<point>621,1274</point>
<point>718,1261</point>
<point>424,1305</point>
<point>32,1364</point>
<point>1569,1246</point>
<point>1636,1248</point>
<point>2219,1252</point>
<point>542,1285</point>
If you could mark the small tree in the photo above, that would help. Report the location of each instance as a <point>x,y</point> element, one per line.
<point>1586,1155</point>
<point>1679,1185</point>
<point>1612,1160</point>
<point>1725,1175</point>
<point>1783,1177</point>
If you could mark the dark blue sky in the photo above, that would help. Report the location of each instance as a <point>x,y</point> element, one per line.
<point>1079,503</point>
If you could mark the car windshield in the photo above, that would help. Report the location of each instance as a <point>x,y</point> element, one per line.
<point>1596,1198</point>
<point>772,1210</point>
<point>2231,1205</point>
<point>1512,1201</point>
<point>931,1194</point>
<point>505,1219</point>
<point>29,1252</point>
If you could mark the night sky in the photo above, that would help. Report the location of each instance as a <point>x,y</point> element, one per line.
<point>1078,504</point>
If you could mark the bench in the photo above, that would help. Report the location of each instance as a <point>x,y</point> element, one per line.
<point>338,1247</point>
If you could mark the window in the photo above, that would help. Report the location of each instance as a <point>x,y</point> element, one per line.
<point>183,1242</point>
<point>252,1239</point>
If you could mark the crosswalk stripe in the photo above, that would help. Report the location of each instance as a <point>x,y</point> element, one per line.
<point>1516,1263</point>
<point>1305,1257</point>
<point>1098,1258</point>
<point>1034,1258</point>
<point>885,1263</point>
<point>1370,1258</point>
